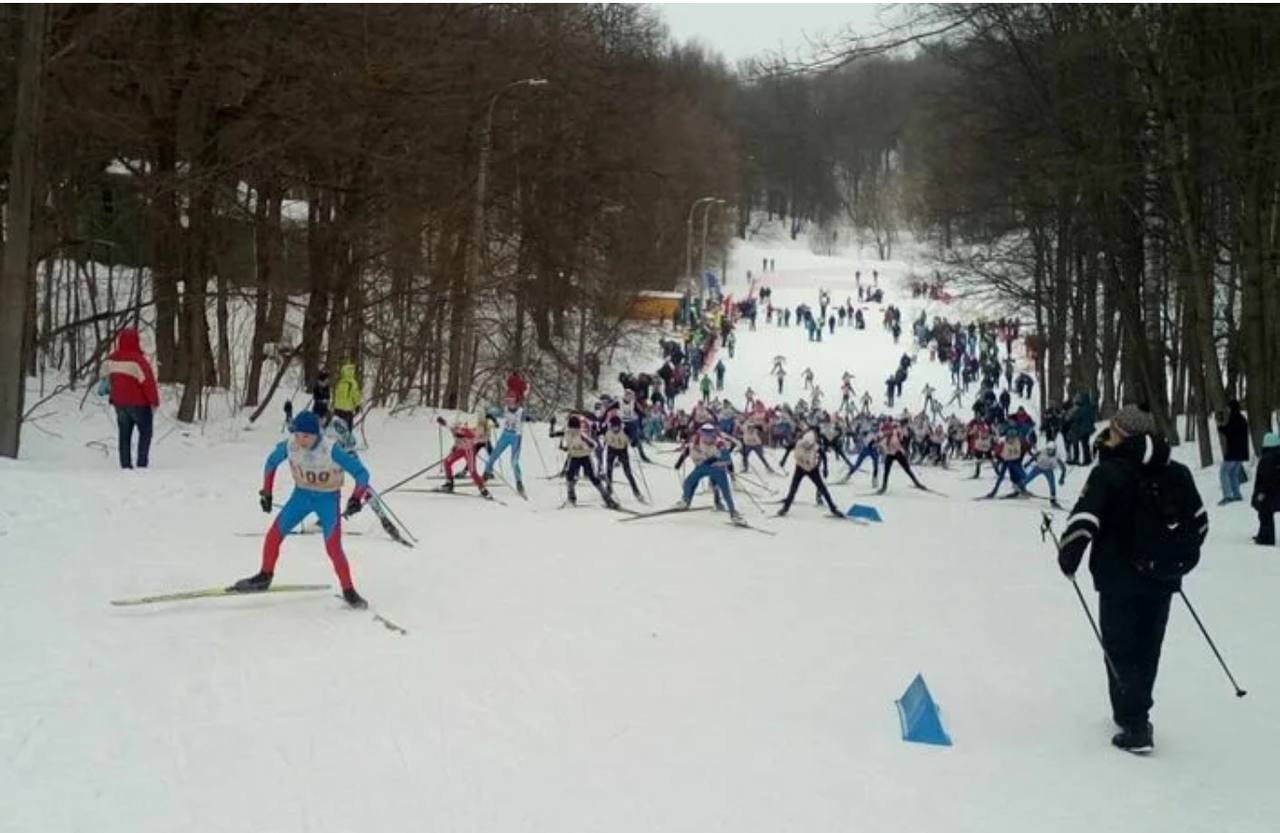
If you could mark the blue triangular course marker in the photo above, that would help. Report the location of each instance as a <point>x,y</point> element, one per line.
<point>919,715</point>
<point>864,512</point>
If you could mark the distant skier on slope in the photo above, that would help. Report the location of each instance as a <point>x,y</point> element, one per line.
<point>511,423</point>
<point>465,441</point>
<point>579,447</point>
<point>891,439</point>
<point>618,451</point>
<point>711,453</point>
<point>807,465</point>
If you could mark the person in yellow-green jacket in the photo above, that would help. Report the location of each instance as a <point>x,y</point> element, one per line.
<point>346,395</point>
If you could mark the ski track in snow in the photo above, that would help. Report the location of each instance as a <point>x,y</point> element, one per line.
<point>564,672</point>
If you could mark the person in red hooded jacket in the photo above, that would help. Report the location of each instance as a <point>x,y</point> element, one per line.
<point>134,395</point>
<point>517,387</point>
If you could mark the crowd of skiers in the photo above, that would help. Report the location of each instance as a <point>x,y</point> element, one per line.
<point>1139,512</point>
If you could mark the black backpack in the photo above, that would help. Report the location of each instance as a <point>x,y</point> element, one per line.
<point>1166,537</point>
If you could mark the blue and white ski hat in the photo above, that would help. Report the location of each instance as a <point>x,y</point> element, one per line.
<point>708,428</point>
<point>306,423</point>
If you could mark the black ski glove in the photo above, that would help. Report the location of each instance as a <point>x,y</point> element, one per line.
<point>353,506</point>
<point>264,500</point>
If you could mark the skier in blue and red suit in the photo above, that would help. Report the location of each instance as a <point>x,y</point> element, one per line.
<point>317,465</point>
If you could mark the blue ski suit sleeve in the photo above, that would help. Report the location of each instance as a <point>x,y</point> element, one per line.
<point>352,466</point>
<point>277,456</point>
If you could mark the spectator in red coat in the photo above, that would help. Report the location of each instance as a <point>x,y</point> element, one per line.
<point>517,387</point>
<point>134,395</point>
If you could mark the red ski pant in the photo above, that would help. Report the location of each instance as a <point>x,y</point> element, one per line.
<point>302,503</point>
<point>467,454</point>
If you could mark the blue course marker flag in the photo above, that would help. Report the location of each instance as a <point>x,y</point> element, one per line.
<point>863,512</point>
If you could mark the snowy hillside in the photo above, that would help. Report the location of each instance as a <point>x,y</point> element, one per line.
<point>565,672</point>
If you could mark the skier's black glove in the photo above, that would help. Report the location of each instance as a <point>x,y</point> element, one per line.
<point>354,505</point>
<point>264,500</point>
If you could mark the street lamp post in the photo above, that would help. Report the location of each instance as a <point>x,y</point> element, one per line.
<point>475,244</point>
<point>579,384</point>
<point>688,237</point>
<point>706,216</point>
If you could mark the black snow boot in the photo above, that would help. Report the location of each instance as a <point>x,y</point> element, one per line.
<point>354,599</point>
<point>1136,739</point>
<point>253,584</point>
<point>447,487</point>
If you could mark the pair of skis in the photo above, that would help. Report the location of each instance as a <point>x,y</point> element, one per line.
<point>565,504</point>
<point>223,592</point>
<point>674,509</point>
<point>490,498</point>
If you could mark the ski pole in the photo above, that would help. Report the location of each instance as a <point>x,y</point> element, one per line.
<point>379,509</point>
<point>1240,692</point>
<point>394,517</point>
<point>1111,667</point>
<point>1046,531</point>
<point>536,447</point>
<point>413,476</point>
<point>644,480</point>
<point>750,496</point>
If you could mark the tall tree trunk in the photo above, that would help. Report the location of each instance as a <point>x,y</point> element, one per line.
<point>1257,331</point>
<point>319,262</point>
<point>224,334</point>
<point>16,278</point>
<point>166,260</point>
<point>262,297</point>
<point>195,327</point>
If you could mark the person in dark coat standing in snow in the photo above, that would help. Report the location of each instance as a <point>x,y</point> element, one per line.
<point>321,393</point>
<point>1133,601</point>
<point>134,395</point>
<point>1266,490</point>
<point>1234,429</point>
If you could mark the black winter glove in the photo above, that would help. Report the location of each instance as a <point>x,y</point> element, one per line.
<point>264,500</point>
<point>353,506</point>
<point>1070,555</point>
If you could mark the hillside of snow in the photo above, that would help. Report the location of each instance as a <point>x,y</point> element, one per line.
<point>565,672</point>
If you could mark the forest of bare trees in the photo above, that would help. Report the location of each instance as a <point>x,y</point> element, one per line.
<point>456,190</point>
<point>210,155</point>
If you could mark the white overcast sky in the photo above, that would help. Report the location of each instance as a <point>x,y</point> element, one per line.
<point>744,30</point>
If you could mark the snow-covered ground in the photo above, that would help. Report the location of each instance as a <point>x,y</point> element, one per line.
<point>564,672</point>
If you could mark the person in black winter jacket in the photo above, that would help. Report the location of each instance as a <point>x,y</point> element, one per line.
<point>1235,452</point>
<point>320,393</point>
<point>1266,490</point>
<point>1133,608</point>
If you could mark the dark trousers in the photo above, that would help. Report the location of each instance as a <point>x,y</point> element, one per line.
<point>801,474</point>
<point>1132,633</point>
<point>581,466</point>
<point>1267,525</point>
<point>901,460</point>
<point>622,457</point>
<point>127,418</point>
